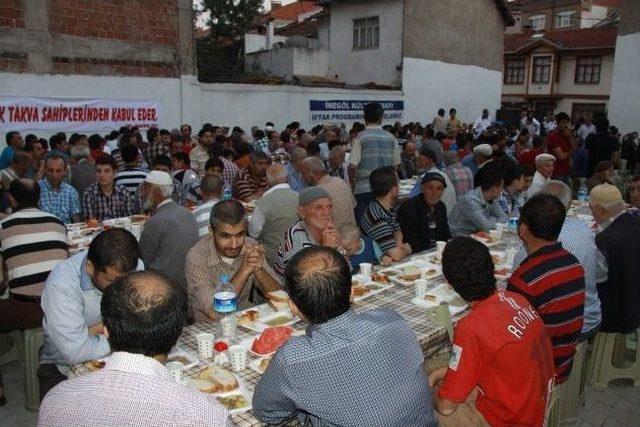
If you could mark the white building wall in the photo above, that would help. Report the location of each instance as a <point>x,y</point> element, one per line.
<point>567,84</point>
<point>430,85</point>
<point>624,107</point>
<point>356,66</point>
<point>591,17</point>
<point>256,42</point>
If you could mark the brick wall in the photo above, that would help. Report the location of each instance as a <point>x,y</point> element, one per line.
<point>137,25</point>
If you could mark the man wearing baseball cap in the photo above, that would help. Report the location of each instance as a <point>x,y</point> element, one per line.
<point>314,228</point>
<point>423,218</point>
<point>618,246</point>
<point>169,233</point>
<point>427,161</point>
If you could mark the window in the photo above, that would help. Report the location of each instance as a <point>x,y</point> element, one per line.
<point>587,110</point>
<point>588,69</point>
<point>514,71</point>
<point>564,19</point>
<point>366,33</point>
<point>541,69</point>
<point>538,22</point>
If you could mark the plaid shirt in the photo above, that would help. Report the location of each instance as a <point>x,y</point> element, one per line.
<point>261,144</point>
<point>98,205</point>
<point>511,204</point>
<point>63,203</point>
<point>461,177</point>
<point>229,172</point>
<point>154,150</point>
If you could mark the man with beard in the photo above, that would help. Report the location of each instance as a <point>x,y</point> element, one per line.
<point>227,250</point>
<point>169,233</point>
<point>251,182</point>
<point>72,325</point>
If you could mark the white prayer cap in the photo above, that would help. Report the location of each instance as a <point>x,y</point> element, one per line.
<point>544,157</point>
<point>483,149</point>
<point>158,178</point>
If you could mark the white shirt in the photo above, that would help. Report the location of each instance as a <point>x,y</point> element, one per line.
<point>550,125</point>
<point>481,124</point>
<point>257,219</point>
<point>202,214</point>
<point>584,131</point>
<point>536,185</point>
<point>131,390</point>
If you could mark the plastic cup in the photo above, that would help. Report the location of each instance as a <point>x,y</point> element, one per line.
<point>421,287</point>
<point>237,355</point>
<point>205,345</point>
<point>175,369</point>
<point>365,271</point>
<point>440,246</point>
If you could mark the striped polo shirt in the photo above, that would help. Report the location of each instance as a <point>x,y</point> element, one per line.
<point>381,224</point>
<point>131,178</point>
<point>552,279</point>
<point>33,242</point>
<point>246,187</point>
<point>295,239</point>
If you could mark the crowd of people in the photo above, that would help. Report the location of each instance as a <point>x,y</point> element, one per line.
<point>300,210</point>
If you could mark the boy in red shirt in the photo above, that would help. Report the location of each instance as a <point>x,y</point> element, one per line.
<point>501,350</point>
<point>560,143</point>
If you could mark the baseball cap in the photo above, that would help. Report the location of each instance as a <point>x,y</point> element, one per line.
<point>311,194</point>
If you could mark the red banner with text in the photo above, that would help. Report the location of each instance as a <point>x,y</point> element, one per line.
<point>75,115</point>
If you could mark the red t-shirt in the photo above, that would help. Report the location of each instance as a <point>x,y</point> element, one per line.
<point>502,347</point>
<point>529,157</point>
<point>560,167</point>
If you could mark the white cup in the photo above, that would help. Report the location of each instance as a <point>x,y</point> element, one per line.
<point>421,287</point>
<point>365,271</point>
<point>237,357</point>
<point>205,345</point>
<point>175,369</point>
<point>440,246</point>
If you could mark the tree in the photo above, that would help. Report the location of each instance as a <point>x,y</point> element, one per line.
<point>228,19</point>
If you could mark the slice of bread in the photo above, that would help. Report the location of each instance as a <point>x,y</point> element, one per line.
<point>280,296</point>
<point>221,378</point>
<point>410,273</point>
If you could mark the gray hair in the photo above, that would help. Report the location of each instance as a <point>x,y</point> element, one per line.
<point>315,165</point>
<point>79,152</point>
<point>614,207</point>
<point>349,233</point>
<point>298,153</point>
<point>276,174</point>
<point>451,157</point>
<point>211,184</point>
<point>560,190</point>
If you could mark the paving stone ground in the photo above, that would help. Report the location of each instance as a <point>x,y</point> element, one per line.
<point>609,407</point>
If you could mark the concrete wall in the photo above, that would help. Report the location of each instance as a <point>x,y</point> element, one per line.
<point>256,42</point>
<point>373,65</point>
<point>430,85</point>
<point>455,31</point>
<point>287,62</point>
<point>624,110</point>
<point>566,104</point>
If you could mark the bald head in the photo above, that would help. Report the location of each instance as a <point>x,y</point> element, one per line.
<point>318,280</point>
<point>560,190</point>
<point>24,193</point>
<point>143,313</point>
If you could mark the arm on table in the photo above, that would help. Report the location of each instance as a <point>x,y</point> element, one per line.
<point>478,218</point>
<point>67,326</point>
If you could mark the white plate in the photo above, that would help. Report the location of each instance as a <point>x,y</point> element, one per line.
<point>190,362</point>
<point>263,310</point>
<point>443,293</point>
<point>423,266</point>
<point>248,343</point>
<point>486,242</point>
<point>262,323</point>
<point>245,393</point>
<point>381,287</point>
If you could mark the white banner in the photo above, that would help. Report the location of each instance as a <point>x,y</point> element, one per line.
<point>75,115</point>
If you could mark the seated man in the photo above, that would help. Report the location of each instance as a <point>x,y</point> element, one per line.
<point>105,199</point>
<point>214,166</point>
<point>512,197</point>
<point>618,248</point>
<point>380,220</point>
<point>56,196</point>
<point>71,297</point>
<point>163,164</point>
<point>351,368</point>
<point>211,191</point>
<point>634,193</point>
<point>275,212</point>
<point>314,228</point>
<point>143,318</point>
<point>181,171</point>
<point>359,248</point>
<point>478,210</point>
<point>427,162</point>
<point>132,175</point>
<point>227,250</point>
<point>251,182</point>
<point>423,218</point>
<point>507,358</point>
<point>169,233</point>
<point>551,278</point>
<point>577,237</point>
<point>544,171</point>
<point>602,174</point>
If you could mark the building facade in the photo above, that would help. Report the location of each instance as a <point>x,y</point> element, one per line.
<point>566,70</point>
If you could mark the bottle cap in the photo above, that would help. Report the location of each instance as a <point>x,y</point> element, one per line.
<point>224,278</point>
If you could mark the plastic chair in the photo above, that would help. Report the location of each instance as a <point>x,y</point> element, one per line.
<point>554,414</point>
<point>442,315</point>
<point>9,347</point>
<point>571,393</point>
<point>607,349</point>
<point>29,354</point>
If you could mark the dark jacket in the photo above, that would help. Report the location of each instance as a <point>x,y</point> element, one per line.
<point>413,217</point>
<point>620,294</point>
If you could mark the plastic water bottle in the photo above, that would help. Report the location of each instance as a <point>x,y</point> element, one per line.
<point>583,194</point>
<point>227,194</point>
<point>225,305</point>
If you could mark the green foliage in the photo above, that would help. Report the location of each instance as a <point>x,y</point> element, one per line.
<point>228,19</point>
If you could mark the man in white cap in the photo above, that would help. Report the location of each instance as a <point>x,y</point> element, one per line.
<point>481,155</point>
<point>544,171</point>
<point>171,231</point>
<point>618,246</point>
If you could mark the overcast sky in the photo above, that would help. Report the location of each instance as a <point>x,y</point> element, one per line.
<point>267,4</point>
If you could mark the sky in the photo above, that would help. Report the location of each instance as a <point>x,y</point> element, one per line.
<point>267,5</point>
